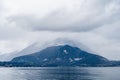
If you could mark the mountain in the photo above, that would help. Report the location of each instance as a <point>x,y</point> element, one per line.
<point>37,46</point>
<point>64,55</point>
<point>8,57</point>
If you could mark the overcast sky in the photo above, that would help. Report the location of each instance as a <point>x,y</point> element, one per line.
<point>94,23</point>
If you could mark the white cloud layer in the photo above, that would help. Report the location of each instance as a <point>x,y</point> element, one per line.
<point>94,23</point>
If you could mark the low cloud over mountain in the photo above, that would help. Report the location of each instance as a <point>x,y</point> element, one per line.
<point>94,23</point>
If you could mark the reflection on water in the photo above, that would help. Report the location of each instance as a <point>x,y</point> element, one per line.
<point>62,73</point>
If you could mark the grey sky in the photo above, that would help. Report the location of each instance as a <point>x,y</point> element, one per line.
<point>94,23</point>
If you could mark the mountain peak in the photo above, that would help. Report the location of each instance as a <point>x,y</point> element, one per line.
<point>67,45</point>
<point>63,55</point>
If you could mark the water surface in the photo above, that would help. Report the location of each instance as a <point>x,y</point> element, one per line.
<point>60,73</point>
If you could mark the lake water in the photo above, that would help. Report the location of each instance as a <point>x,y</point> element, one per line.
<point>63,73</point>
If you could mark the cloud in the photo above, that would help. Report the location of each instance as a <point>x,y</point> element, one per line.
<point>93,23</point>
<point>77,16</point>
<point>109,31</point>
<point>1,7</point>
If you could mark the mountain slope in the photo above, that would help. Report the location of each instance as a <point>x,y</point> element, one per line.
<point>62,56</point>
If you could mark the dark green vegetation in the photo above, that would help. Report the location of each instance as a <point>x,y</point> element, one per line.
<point>60,56</point>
